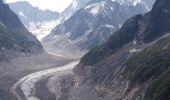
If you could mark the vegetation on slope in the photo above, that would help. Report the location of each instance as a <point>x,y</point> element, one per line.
<point>152,66</point>
<point>150,63</point>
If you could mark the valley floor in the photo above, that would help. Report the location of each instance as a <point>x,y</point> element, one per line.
<point>20,82</point>
<point>26,85</point>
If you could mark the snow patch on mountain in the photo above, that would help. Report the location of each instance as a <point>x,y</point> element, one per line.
<point>71,9</point>
<point>136,2</point>
<point>109,26</point>
<point>94,9</point>
<point>23,15</point>
<point>134,50</point>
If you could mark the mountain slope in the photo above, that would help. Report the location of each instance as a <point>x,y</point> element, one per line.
<point>151,67</point>
<point>15,38</point>
<point>128,69</point>
<point>15,41</point>
<point>90,26</point>
<point>121,37</point>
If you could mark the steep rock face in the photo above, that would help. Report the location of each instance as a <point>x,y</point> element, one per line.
<point>155,23</point>
<point>128,70</point>
<point>15,38</point>
<point>91,25</point>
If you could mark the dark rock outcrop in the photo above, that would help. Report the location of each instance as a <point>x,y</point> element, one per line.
<point>156,22</point>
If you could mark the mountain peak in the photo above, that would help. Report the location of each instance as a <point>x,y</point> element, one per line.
<point>155,23</point>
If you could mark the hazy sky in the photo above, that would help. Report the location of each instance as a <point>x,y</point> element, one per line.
<point>55,5</point>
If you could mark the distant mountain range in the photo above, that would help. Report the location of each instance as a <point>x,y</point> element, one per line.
<point>78,4</point>
<point>39,22</point>
<point>32,14</point>
<point>91,25</point>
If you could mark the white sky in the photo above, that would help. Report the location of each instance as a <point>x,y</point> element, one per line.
<point>54,5</point>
